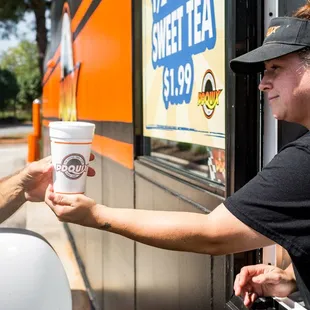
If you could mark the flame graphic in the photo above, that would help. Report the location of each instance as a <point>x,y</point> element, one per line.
<point>68,90</point>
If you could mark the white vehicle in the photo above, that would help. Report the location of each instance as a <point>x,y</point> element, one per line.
<point>32,276</point>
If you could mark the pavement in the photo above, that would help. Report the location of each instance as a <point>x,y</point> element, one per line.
<point>14,131</point>
<point>40,219</point>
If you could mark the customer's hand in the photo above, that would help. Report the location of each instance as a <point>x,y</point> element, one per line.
<point>73,208</point>
<point>263,280</point>
<point>37,175</point>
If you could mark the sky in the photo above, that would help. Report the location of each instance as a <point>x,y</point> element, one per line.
<point>24,31</point>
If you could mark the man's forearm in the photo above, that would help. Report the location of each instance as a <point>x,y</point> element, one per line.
<point>168,230</point>
<point>216,233</point>
<point>11,196</point>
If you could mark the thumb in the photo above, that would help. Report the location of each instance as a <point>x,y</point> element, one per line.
<point>59,199</point>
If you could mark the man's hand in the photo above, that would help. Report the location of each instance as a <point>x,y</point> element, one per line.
<point>37,175</point>
<point>75,208</point>
<point>264,280</point>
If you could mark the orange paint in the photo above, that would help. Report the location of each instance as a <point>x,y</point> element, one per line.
<point>118,151</point>
<point>51,95</point>
<point>45,123</point>
<point>103,47</point>
<point>36,119</point>
<point>74,24</point>
<point>80,14</point>
<point>33,148</point>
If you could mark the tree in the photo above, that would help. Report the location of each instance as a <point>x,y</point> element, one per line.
<point>12,11</point>
<point>8,88</point>
<point>22,61</point>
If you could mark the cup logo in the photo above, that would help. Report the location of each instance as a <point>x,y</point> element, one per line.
<point>73,166</point>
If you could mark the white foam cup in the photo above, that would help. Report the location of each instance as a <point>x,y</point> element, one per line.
<point>70,149</point>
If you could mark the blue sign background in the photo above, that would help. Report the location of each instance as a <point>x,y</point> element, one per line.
<point>178,81</point>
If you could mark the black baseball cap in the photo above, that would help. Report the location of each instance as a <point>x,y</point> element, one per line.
<point>285,35</point>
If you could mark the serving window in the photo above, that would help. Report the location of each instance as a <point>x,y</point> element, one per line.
<point>183,51</point>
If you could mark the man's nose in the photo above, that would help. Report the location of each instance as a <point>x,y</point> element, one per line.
<point>265,84</point>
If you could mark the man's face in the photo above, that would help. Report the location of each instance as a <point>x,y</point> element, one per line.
<point>286,82</point>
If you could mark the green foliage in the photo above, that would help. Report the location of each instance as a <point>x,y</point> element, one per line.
<point>200,149</point>
<point>8,88</point>
<point>11,12</point>
<point>22,61</point>
<point>183,146</point>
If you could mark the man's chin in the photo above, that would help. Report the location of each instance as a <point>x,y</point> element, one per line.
<point>277,115</point>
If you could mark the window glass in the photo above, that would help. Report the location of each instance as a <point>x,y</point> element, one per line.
<point>200,160</point>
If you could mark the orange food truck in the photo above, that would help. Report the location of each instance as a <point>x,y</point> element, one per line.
<point>175,130</point>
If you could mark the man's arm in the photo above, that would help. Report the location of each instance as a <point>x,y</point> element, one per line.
<point>28,184</point>
<point>216,233</point>
<point>12,195</point>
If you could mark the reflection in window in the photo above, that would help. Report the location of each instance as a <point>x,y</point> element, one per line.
<point>205,162</point>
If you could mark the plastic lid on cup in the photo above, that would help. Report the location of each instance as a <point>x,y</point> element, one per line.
<point>71,130</point>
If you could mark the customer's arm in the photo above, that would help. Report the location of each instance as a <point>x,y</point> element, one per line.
<point>28,184</point>
<point>11,195</point>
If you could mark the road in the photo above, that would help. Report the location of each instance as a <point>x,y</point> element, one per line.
<point>12,157</point>
<point>13,131</point>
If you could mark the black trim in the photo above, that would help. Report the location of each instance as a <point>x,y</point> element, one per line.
<point>86,17</point>
<point>244,123</point>
<point>137,91</point>
<point>119,131</point>
<point>137,100</point>
<point>230,101</point>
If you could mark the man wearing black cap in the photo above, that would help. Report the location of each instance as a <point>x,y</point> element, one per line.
<point>272,208</point>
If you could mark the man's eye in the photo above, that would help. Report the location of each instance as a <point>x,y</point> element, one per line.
<point>274,67</point>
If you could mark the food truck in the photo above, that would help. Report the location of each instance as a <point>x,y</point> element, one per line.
<point>175,130</point>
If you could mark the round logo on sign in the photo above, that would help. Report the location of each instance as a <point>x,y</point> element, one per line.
<point>72,166</point>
